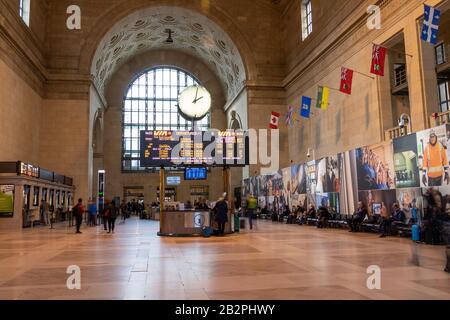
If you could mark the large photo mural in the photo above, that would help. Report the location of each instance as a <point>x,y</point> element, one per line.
<point>409,171</point>
<point>375,167</point>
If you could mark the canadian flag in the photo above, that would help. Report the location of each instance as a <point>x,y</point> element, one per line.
<point>274,120</point>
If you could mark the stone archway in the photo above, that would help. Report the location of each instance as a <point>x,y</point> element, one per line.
<point>192,32</point>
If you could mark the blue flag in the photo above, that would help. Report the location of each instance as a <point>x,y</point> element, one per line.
<point>431,20</point>
<point>305,109</point>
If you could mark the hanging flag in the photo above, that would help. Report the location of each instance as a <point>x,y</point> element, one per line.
<point>290,115</point>
<point>346,80</point>
<point>305,110</point>
<point>322,98</point>
<point>431,20</point>
<point>274,120</point>
<point>378,60</point>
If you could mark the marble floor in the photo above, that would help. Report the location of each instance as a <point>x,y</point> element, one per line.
<point>275,261</point>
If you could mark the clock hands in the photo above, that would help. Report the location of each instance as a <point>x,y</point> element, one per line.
<point>196,95</point>
<point>196,100</point>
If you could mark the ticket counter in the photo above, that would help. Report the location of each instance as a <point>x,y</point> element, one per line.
<point>188,223</point>
<point>22,189</point>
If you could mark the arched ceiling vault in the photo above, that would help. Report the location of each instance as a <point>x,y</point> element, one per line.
<point>193,33</point>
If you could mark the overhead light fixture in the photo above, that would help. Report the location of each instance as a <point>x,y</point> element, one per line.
<point>169,38</point>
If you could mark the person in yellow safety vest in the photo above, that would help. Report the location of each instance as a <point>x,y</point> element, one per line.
<point>252,204</point>
<point>435,163</point>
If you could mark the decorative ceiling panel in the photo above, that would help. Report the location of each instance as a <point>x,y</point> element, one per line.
<point>192,33</point>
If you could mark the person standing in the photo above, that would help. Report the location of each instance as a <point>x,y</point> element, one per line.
<point>43,212</point>
<point>78,211</point>
<point>92,211</point>
<point>123,211</point>
<point>105,216</point>
<point>112,217</point>
<point>221,209</point>
<point>251,207</point>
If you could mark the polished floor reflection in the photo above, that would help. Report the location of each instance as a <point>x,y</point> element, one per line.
<point>275,261</point>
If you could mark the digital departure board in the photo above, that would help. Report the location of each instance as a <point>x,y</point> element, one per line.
<point>185,148</point>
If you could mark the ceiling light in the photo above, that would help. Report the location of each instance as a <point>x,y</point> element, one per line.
<point>169,38</point>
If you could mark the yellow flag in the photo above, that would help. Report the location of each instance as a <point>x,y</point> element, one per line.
<point>325,98</point>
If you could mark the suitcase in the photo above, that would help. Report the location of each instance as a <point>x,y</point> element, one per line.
<point>415,233</point>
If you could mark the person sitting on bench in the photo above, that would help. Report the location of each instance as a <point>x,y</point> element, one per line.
<point>323,216</point>
<point>385,226</point>
<point>398,216</point>
<point>358,217</point>
<point>292,216</point>
<point>311,212</point>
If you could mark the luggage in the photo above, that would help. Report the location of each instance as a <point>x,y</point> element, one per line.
<point>237,224</point>
<point>415,233</point>
<point>207,232</point>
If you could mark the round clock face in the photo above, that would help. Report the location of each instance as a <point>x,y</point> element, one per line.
<point>194,102</point>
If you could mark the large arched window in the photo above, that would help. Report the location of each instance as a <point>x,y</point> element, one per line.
<point>151,104</point>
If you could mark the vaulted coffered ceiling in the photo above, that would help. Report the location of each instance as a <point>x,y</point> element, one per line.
<point>192,33</point>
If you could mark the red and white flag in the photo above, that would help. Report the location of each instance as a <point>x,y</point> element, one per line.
<point>346,80</point>
<point>274,120</point>
<point>378,60</point>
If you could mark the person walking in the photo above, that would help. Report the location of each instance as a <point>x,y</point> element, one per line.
<point>112,216</point>
<point>221,209</point>
<point>105,216</point>
<point>252,204</point>
<point>123,211</point>
<point>78,211</point>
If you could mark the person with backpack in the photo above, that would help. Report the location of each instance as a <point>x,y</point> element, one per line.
<point>78,211</point>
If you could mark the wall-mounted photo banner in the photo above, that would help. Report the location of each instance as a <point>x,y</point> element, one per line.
<point>433,156</point>
<point>286,190</point>
<point>300,200</point>
<point>411,202</point>
<point>375,167</point>
<point>328,200</point>
<point>277,184</point>
<point>262,202</point>
<point>405,162</point>
<point>311,177</point>
<point>298,179</point>
<point>245,188</point>
<point>311,200</point>
<point>264,185</point>
<point>6,200</point>
<point>329,172</point>
<point>378,200</point>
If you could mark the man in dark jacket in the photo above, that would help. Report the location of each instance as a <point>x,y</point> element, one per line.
<point>221,210</point>
<point>112,216</point>
<point>357,218</point>
<point>78,212</point>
